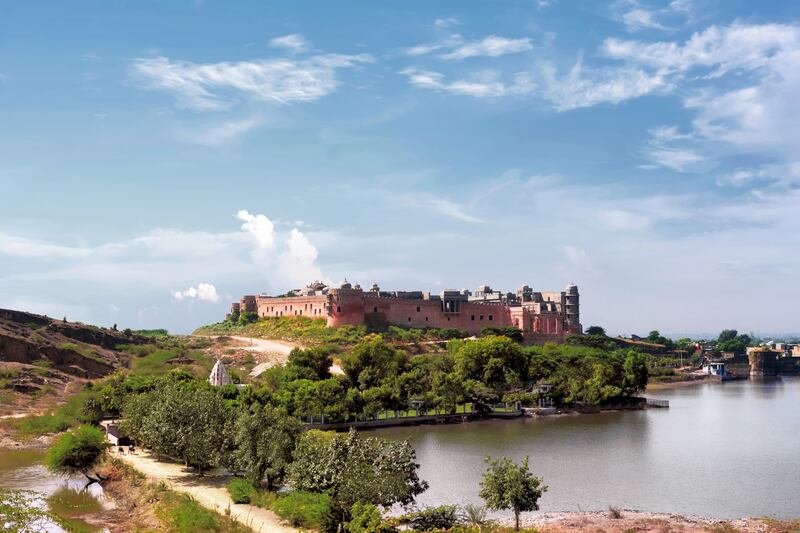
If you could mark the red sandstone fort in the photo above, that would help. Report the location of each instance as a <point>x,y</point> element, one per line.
<point>541,316</point>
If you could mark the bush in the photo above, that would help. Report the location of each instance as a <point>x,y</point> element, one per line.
<point>615,513</point>
<point>366,518</point>
<point>442,517</point>
<point>304,509</point>
<point>475,514</point>
<point>240,490</point>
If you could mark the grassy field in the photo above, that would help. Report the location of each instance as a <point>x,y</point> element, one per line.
<point>309,331</point>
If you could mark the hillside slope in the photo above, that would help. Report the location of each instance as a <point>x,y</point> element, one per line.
<point>39,354</point>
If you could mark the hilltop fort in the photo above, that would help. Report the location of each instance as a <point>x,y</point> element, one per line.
<point>540,316</point>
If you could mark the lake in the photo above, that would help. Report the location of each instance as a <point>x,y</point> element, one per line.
<point>67,497</point>
<point>723,450</point>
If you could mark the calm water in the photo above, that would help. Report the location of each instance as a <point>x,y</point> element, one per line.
<point>66,497</point>
<point>724,450</point>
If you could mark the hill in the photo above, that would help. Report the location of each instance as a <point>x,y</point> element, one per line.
<point>41,356</point>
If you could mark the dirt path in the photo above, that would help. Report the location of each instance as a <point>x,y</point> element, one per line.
<point>209,491</point>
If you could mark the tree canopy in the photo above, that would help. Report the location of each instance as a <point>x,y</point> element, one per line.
<point>78,450</point>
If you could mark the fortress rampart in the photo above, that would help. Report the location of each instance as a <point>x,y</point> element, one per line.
<point>540,316</point>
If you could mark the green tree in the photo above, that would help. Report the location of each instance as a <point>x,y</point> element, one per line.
<point>372,360</point>
<point>311,363</point>
<point>635,373</point>
<point>20,514</point>
<point>184,420</point>
<point>264,437</point>
<point>727,335</point>
<point>595,330</point>
<point>506,485</point>
<point>78,450</point>
<point>498,362</point>
<point>352,469</point>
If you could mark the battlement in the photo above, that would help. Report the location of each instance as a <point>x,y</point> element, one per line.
<point>541,316</point>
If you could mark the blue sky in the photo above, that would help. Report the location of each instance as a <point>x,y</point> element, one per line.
<point>157,160</point>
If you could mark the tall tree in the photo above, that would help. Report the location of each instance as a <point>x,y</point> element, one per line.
<point>595,330</point>
<point>264,438</point>
<point>506,485</point>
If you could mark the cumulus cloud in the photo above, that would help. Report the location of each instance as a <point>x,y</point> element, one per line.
<point>259,226</point>
<point>205,292</point>
<point>293,42</point>
<point>217,86</point>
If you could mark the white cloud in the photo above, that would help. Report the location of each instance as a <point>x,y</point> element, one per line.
<point>204,292</point>
<point>483,85</point>
<point>491,46</point>
<point>259,226</point>
<point>220,133</point>
<point>669,148</point>
<point>298,261</point>
<point>579,89</point>
<point>24,247</point>
<point>449,208</point>
<point>728,48</point>
<point>640,19</point>
<point>294,43</point>
<point>446,22</point>
<point>216,86</point>
<point>458,49</point>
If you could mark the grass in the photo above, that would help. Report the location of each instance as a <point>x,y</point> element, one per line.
<point>85,351</point>
<point>56,421</point>
<point>152,360</point>
<point>315,332</point>
<point>304,509</point>
<point>410,413</point>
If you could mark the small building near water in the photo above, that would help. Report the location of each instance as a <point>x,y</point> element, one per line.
<point>114,434</point>
<point>715,369</point>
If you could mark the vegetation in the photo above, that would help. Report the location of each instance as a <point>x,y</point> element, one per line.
<point>77,451</point>
<point>240,490</point>
<point>305,509</point>
<point>19,515</point>
<point>352,469</point>
<point>506,485</point>
<point>433,518</point>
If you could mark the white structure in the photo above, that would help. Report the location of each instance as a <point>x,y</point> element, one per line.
<point>715,369</point>
<point>219,375</point>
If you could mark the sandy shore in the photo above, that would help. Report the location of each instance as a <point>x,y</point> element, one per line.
<point>641,521</point>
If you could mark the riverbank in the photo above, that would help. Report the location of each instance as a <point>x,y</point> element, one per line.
<point>640,521</point>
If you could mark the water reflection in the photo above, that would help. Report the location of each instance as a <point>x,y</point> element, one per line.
<point>724,450</point>
<point>67,497</point>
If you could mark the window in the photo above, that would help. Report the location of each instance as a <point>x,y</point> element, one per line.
<point>472,317</point>
<point>375,309</point>
<point>426,319</point>
<point>409,319</point>
<point>448,319</point>
<point>490,317</point>
<point>417,309</point>
<point>481,317</point>
<point>338,309</point>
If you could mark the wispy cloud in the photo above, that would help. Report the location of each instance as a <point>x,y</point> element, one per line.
<point>459,49</point>
<point>491,46</point>
<point>585,88</point>
<point>446,22</point>
<point>669,148</point>
<point>220,133</point>
<point>293,42</point>
<point>216,86</point>
<point>482,85</point>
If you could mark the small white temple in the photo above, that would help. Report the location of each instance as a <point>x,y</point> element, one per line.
<point>219,375</point>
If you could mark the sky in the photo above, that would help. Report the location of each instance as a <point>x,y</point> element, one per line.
<point>160,159</point>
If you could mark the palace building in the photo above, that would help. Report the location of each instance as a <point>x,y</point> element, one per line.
<point>541,316</point>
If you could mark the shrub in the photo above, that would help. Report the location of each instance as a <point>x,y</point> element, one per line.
<point>240,490</point>
<point>614,513</point>
<point>305,509</point>
<point>366,518</point>
<point>442,517</point>
<point>475,514</point>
